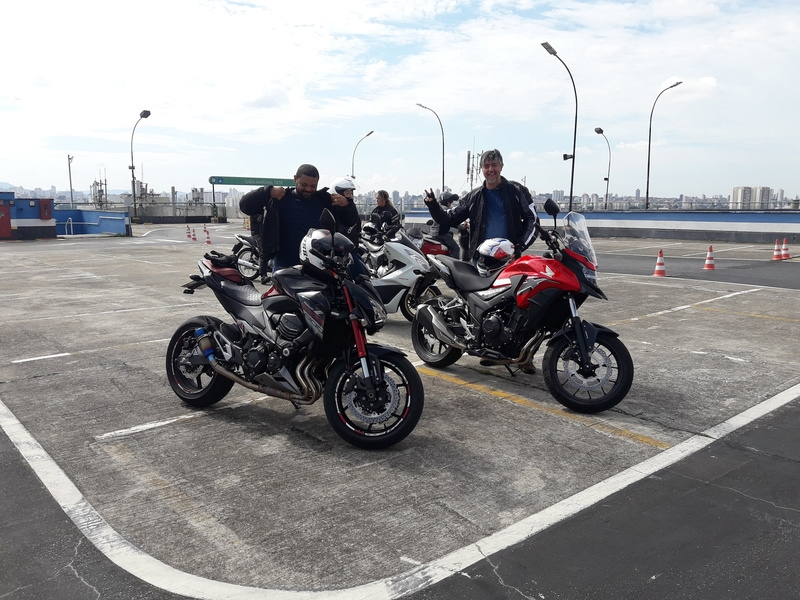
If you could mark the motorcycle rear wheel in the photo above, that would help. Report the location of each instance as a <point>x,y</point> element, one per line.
<point>409,309</point>
<point>197,385</point>
<point>249,255</point>
<point>430,349</point>
<point>609,385</point>
<point>374,424</point>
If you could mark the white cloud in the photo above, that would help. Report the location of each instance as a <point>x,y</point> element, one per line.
<point>256,87</point>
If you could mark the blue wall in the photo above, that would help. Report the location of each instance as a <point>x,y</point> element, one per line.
<point>81,222</point>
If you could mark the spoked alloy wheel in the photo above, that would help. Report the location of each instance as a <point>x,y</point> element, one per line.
<point>606,387</point>
<point>196,384</point>
<point>377,422</point>
<point>409,309</point>
<point>248,255</point>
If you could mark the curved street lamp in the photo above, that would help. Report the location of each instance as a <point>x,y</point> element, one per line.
<point>552,51</point>
<point>649,139</point>
<point>599,130</point>
<point>442,128</point>
<point>142,115</point>
<point>353,162</point>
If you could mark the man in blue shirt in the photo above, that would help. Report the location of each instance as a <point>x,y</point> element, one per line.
<point>497,209</point>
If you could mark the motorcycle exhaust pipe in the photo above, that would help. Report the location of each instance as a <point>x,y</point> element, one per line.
<point>434,323</point>
<point>218,368</point>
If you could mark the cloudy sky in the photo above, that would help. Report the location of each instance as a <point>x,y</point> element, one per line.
<point>256,87</point>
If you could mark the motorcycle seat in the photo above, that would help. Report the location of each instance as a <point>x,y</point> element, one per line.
<point>466,276</point>
<point>243,294</point>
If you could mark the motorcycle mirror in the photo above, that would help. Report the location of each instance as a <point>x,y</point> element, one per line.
<point>326,221</point>
<point>551,207</point>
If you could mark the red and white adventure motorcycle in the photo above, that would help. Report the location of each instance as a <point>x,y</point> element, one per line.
<point>505,309</point>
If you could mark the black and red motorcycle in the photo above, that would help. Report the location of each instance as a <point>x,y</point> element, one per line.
<point>302,339</point>
<point>506,308</point>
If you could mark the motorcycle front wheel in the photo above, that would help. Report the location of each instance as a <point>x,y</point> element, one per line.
<point>409,308</point>
<point>196,384</point>
<point>250,256</point>
<point>380,421</point>
<point>606,387</point>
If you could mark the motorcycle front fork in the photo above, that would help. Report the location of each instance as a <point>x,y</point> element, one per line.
<point>361,347</point>
<point>580,339</point>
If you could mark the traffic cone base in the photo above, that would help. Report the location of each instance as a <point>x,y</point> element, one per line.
<point>661,269</point>
<point>709,266</point>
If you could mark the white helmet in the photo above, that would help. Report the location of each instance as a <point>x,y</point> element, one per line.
<point>493,255</point>
<point>335,246</point>
<point>341,184</point>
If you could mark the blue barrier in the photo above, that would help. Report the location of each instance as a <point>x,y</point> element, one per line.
<point>83,222</point>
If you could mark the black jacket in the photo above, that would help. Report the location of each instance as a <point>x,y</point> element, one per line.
<point>264,212</point>
<point>520,215</point>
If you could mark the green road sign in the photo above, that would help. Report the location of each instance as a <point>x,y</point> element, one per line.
<point>217,180</point>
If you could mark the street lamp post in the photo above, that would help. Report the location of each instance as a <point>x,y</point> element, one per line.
<point>353,162</point>
<point>69,166</point>
<point>599,130</point>
<point>552,51</point>
<point>442,128</point>
<point>142,115</point>
<point>649,139</point>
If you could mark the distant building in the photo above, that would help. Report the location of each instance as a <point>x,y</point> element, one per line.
<point>750,198</point>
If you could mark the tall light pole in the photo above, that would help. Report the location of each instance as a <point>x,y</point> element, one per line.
<point>353,162</point>
<point>69,166</point>
<point>142,115</point>
<point>552,51</point>
<point>442,128</point>
<point>599,130</point>
<point>649,139</point>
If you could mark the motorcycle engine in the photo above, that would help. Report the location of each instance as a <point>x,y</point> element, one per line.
<point>264,357</point>
<point>495,332</point>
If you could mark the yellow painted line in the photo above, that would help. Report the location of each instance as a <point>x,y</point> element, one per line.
<point>556,412</point>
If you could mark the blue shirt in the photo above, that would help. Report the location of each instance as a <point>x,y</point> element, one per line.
<point>496,220</point>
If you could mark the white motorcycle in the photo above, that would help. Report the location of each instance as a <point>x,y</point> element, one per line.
<point>400,272</point>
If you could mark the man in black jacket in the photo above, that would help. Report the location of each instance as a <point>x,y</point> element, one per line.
<point>286,214</point>
<point>498,209</point>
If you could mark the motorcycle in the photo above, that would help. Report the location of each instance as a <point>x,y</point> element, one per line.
<point>302,339</point>
<point>400,273</point>
<point>506,316</point>
<point>426,243</point>
<point>246,251</point>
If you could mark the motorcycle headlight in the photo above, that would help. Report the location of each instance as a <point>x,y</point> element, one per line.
<point>591,276</point>
<point>379,312</point>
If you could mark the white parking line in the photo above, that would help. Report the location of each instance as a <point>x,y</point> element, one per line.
<point>127,556</point>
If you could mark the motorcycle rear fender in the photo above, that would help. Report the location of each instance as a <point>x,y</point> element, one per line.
<point>591,329</point>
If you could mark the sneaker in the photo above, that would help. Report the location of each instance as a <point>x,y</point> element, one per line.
<point>527,368</point>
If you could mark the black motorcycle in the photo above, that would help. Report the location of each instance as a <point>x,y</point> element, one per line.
<point>305,337</point>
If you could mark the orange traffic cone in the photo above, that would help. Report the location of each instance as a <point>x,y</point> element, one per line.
<point>188,233</point>
<point>709,266</point>
<point>776,254</point>
<point>661,269</point>
<point>785,251</point>
<point>194,237</point>
<point>208,238</point>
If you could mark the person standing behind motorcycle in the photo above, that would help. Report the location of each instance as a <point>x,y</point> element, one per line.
<point>445,235</point>
<point>345,186</point>
<point>497,209</point>
<point>288,213</point>
<point>385,209</point>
